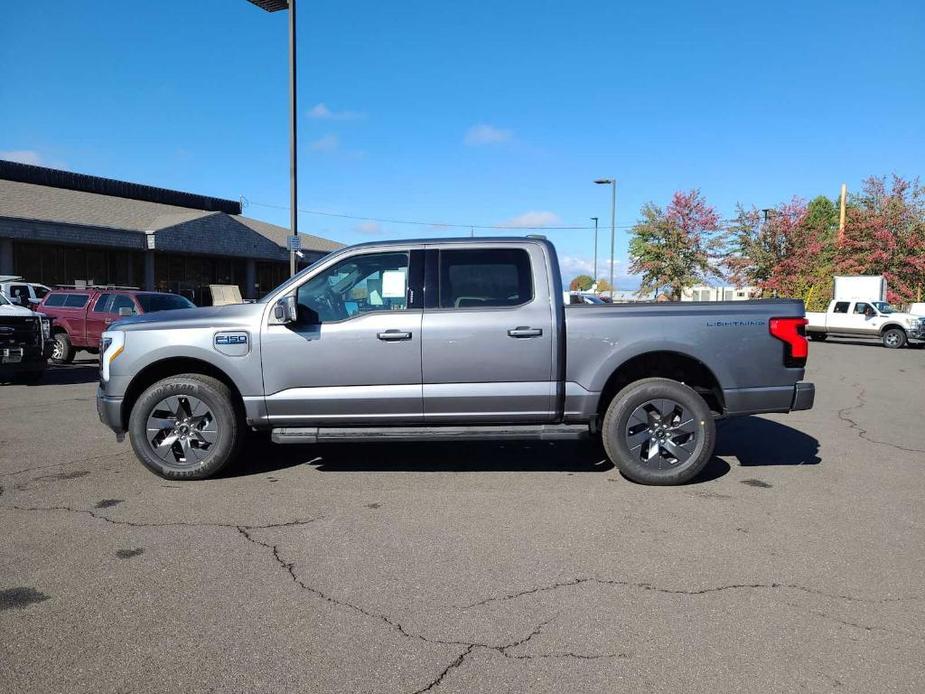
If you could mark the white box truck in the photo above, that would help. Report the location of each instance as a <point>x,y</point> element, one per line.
<point>865,287</point>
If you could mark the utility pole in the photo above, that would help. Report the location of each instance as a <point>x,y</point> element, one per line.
<point>841,212</point>
<point>594,279</point>
<point>276,6</point>
<point>293,119</point>
<point>612,182</point>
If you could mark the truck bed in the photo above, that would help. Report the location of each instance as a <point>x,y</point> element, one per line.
<point>730,339</point>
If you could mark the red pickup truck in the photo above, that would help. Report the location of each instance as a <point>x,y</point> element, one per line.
<point>82,315</point>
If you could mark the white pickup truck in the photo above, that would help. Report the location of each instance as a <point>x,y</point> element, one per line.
<point>874,319</point>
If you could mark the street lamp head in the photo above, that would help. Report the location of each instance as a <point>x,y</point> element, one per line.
<point>594,219</point>
<point>271,5</point>
<point>603,181</point>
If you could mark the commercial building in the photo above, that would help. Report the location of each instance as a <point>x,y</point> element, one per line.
<point>64,228</point>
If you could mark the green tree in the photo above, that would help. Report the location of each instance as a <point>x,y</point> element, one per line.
<point>674,248</point>
<point>581,283</point>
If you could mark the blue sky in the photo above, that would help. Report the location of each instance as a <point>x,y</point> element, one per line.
<point>472,113</point>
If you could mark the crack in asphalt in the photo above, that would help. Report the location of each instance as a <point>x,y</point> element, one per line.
<point>137,524</point>
<point>69,462</point>
<point>857,625</point>
<point>862,432</point>
<point>470,646</point>
<point>677,591</point>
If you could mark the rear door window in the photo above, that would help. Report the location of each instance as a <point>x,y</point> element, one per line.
<point>55,300</point>
<point>840,307</point>
<point>120,301</point>
<point>75,300</point>
<point>102,303</point>
<point>485,278</point>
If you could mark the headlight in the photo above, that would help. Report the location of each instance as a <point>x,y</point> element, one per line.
<point>46,327</point>
<point>111,346</point>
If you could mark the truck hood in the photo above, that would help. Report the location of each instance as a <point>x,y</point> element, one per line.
<point>8,310</point>
<point>230,316</point>
<point>902,316</point>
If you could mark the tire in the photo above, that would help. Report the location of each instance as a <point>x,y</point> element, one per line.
<point>894,338</point>
<point>818,337</point>
<point>198,413</point>
<point>665,406</point>
<point>62,352</point>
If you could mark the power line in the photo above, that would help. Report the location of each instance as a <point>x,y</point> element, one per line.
<point>449,225</point>
<point>454,225</point>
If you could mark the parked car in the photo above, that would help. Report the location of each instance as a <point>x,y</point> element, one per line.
<point>871,319</point>
<point>25,341</point>
<point>447,340</point>
<point>22,293</point>
<point>81,315</point>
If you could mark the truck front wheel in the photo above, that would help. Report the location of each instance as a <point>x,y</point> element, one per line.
<point>62,351</point>
<point>185,427</point>
<point>659,431</point>
<point>894,338</point>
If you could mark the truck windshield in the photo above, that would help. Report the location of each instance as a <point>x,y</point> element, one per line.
<point>163,302</point>
<point>883,307</point>
<point>3,300</point>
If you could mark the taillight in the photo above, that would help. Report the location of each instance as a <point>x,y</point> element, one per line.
<point>792,332</point>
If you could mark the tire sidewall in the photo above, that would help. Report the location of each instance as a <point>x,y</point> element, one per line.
<point>901,340</point>
<point>218,402</point>
<point>620,411</point>
<point>64,349</point>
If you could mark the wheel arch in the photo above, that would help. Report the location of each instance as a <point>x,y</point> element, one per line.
<point>889,326</point>
<point>673,365</point>
<point>173,366</point>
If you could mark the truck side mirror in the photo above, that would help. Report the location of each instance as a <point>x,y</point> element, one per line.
<point>286,310</point>
<point>125,311</point>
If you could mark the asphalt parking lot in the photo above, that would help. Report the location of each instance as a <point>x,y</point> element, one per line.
<point>797,562</point>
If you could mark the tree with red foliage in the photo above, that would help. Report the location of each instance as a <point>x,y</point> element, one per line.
<point>786,253</point>
<point>674,248</point>
<point>885,235</point>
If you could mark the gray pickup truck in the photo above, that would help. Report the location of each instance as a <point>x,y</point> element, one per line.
<point>447,340</point>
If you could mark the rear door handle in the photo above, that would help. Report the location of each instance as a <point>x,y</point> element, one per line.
<point>524,331</point>
<point>394,335</point>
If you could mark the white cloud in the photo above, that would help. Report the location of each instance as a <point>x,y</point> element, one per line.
<point>320,111</point>
<point>369,228</point>
<point>30,156</point>
<point>533,219</point>
<point>484,134</point>
<point>325,143</point>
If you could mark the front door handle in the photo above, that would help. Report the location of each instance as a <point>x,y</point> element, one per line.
<point>394,335</point>
<point>524,331</point>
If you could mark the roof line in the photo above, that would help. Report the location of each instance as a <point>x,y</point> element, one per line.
<point>69,180</point>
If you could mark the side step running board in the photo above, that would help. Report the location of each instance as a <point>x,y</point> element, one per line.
<point>504,432</point>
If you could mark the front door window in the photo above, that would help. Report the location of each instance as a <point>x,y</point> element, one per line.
<point>355,286</point>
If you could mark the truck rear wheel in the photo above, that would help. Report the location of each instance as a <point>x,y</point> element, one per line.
<point>62,352</point>
<point>659,431</point>
<point>894,338</point>
<point>185,427</point>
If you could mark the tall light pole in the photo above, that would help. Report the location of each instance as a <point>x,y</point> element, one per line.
<point>594,279</point>
<point>276,6</point>
<point>612,182</point>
